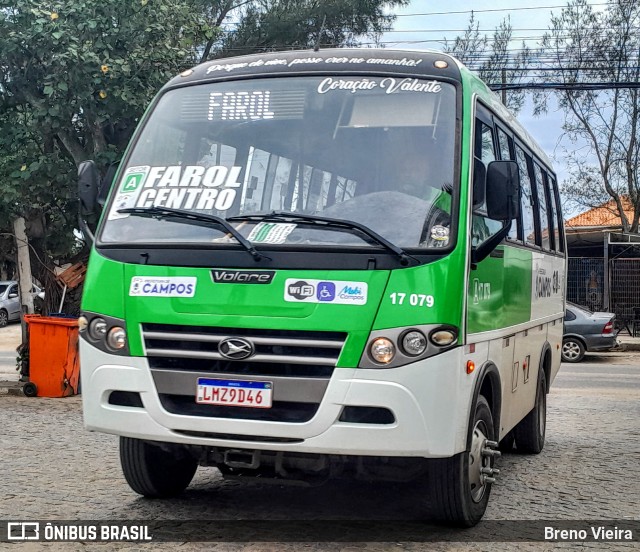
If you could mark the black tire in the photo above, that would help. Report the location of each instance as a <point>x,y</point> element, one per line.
<point>154,471</point>
<point>506,445</point>
<point>530,432</point>
<point>572,350</point>
<point>29,389</point>
<point>454,496</point>
<point>4,318</point>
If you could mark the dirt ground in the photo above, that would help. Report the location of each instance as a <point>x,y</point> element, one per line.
<point>10,337</point>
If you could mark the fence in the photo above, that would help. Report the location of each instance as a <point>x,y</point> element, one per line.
<point>586,285</point>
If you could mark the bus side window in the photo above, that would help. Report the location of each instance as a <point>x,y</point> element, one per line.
<point>543,211</point>
<point>527,209</point>
<point>559,227</point>
<point>482,227</point>
<point>551,209</point>
<point>505,148</point>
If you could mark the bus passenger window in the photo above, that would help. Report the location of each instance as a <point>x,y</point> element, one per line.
<point>483,227</point>
<point>528,220</point>
<point>559,236</point>
<point>542,208</point>
<point>505,148</point>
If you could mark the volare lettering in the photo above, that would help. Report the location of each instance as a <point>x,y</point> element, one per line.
<point>242,276</point>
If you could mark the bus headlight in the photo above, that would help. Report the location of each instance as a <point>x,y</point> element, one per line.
<point>413,343</point>
<point>382,350</point>
<point>104,332</point>
<point>117,338</point>
<point>98,328</point>
<point>394,347</point>
<point>83,322</point>
<point>443,338</point>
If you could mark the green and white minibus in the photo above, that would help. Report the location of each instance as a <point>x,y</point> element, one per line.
<point>343,263</point>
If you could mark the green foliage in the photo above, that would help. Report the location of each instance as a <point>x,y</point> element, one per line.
<point>76,76</point>
<point>280,24</point>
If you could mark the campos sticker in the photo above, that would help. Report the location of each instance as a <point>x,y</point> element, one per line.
<point>142,286</point>
<point>177,187</point>
<point>325,291</point>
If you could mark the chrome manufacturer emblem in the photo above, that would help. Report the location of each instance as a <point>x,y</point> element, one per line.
<point>235,348</point>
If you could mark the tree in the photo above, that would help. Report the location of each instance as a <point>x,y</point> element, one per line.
<point>76,78</point>
<point>267,25</point>
<point>585,47</point>
<point>493,58</point>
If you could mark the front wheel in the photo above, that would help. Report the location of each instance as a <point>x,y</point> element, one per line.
<point>4,318</point>
<point>156,470</point>
<point>572,350</point>
<point>460,486</point>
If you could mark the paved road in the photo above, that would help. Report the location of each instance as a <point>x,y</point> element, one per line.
<point>53,469</point>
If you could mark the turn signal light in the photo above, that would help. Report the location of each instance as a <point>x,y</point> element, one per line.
<point>471,366</point>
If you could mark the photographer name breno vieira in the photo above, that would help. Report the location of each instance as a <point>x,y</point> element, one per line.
<point>594,532</point>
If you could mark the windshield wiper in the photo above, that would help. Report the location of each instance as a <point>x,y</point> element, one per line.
<point>279,216</point>
<point>197,219</point>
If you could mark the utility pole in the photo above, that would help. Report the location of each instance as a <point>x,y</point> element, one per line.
<point>24,271</point>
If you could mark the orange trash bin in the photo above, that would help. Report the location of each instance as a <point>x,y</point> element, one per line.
<point>54,367</point>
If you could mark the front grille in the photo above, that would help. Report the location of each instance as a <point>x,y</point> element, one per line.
<point>279,356</point>
<point>276,352</point>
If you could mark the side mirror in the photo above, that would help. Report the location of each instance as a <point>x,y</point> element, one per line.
<point>88,184</point>
<point>107,183</point>
<point>503,191</point>
<point>13,295</point>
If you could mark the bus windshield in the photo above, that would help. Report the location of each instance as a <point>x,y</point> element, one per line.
<point>378,151</point>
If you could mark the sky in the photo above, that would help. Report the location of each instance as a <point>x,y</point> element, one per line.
<point>529,19</point>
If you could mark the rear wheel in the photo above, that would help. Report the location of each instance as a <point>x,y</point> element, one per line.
<point>530,432</point>
<point>460,486</point>
<point>29,389</point>
<point>156,470</point>
<point>572,350</point>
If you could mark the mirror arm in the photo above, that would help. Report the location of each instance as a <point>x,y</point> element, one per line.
<point>484,249</point>
<point>84,227</point>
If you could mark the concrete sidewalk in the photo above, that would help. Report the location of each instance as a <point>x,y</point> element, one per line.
<point>10,339</point>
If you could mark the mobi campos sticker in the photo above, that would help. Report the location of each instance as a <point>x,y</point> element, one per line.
<point>143,286</point>
<point>177,187</point>
<point>325,291</point>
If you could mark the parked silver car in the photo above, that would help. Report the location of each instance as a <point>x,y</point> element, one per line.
<point>10,300</point>
<point>586,331</point>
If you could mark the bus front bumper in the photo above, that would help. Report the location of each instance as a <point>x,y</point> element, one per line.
<point>429,400</point>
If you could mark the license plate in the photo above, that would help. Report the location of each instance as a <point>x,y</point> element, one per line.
<point>252,394</point>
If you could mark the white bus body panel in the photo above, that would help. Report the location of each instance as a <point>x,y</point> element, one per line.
<point>430,400</point>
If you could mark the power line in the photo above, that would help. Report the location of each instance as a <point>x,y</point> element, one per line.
<point>565,86</point>
<point>488,10</point>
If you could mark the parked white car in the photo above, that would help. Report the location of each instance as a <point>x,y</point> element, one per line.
<point>10,300</point>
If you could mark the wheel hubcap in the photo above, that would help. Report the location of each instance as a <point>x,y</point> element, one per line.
<point>571,350</point>
<point>3,318</point>
<point>477,461</point>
